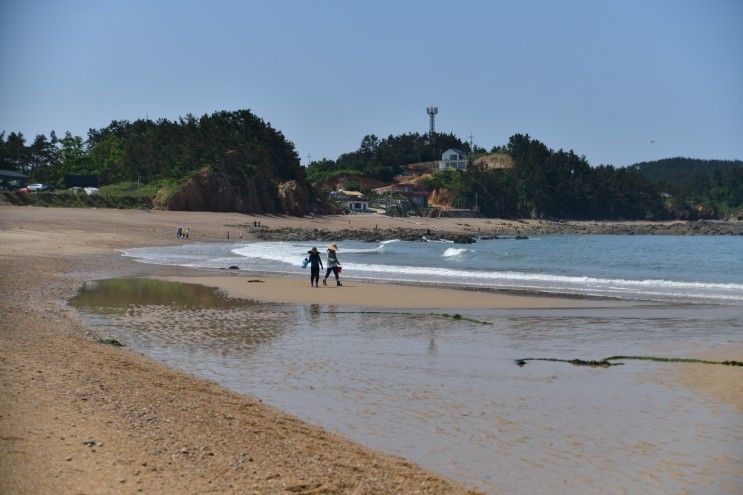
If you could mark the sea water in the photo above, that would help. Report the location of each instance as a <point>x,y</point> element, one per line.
<point>448,395</point>
<point>659,268</point>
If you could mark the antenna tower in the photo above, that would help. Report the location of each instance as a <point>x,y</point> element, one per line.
<point>432,111</point>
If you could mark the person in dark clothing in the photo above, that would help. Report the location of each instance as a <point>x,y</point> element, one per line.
<point>333,266</point>
<point>315,265</point>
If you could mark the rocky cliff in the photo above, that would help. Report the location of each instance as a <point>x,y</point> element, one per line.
<point>235,185</point>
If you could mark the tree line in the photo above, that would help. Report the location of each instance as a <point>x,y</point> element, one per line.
<point>385,158</point>
<point>554,184</point>
<point>713,186</point>
<point>145,150</point>
<point>544,183</point>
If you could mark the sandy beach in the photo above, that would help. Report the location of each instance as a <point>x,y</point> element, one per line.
<point>80,417</point>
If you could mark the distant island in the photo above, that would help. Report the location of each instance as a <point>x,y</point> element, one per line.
<point>235,161</point>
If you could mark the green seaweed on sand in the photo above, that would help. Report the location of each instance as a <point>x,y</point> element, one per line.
<point>111,342</point>
<point>457,316</point>
<point>606,362</point>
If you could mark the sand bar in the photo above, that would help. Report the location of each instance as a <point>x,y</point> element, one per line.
<point>371,295</point>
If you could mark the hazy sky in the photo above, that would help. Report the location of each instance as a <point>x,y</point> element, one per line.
<point>601,77</point>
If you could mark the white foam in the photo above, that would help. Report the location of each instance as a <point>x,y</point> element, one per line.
<point>450,252</point>
<point>287,257</point>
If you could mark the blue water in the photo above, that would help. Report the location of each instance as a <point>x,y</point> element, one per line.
<point>666,268</point>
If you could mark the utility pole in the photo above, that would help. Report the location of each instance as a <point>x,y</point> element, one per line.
<point>309,159</point>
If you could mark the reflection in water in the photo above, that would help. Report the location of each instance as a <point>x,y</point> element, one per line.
<point>447,394</point>
<point>173,317</point>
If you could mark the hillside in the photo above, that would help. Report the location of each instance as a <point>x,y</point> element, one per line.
<point>697,188</point>
<point>226,161</point>
<point>679,171</point>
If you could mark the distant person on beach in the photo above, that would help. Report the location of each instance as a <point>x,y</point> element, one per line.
<point>333,266</point>
<point>315,265</point>
<point>185,232</point>
<point>178,233</point>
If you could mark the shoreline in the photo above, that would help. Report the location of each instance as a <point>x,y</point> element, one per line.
<point>80,416</point>
<point>294,290</point>
<point>151,426</point>
<point>484,230</point>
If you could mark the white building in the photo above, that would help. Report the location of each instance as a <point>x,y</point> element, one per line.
<point>453,158</point>
<point>353,200</point>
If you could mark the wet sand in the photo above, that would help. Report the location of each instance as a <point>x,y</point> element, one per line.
<point>368,295</point>
<point>723,383</point>
<point>80,417</point>
<point>447,393</point>
<point>144,425</point>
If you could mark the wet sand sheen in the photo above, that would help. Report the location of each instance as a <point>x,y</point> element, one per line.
<point>369,295</point>
<point>50,361</point>
<point>448,395</point>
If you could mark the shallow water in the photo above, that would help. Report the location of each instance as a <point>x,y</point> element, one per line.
<point>447,394</point>
<point>662,268</point>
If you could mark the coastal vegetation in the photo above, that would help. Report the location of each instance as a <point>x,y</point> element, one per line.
<point>234,161</point>
<point>712,186</point>
<point>226,161</point>
<point>548,183</point>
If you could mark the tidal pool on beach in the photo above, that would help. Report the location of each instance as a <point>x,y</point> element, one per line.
<point>447,393</point>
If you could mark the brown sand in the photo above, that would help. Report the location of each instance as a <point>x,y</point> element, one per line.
<point>80,417</point>
<point>724,383</point>
<point>297,291</point>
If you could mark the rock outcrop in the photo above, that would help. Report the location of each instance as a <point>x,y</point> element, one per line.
<point>293,198</point>
<point>232,186</point>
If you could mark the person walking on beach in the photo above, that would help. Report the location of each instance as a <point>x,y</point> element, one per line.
<point>178,233</point>
<point>315,265</point>
<point>333,266</point>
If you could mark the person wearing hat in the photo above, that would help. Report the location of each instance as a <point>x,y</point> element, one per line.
<point>315,265</point>
<point>333,266</point>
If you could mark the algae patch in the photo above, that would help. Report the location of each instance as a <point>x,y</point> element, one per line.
<point>607,362</point>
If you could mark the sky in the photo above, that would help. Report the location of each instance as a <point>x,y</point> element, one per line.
<point>603,78</point>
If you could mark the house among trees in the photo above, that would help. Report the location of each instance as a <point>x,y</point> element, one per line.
<point>353,200</point>
<point>410,187</point>
<point>453,158</point>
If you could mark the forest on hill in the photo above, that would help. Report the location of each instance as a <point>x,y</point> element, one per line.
<point>234,161</point>
<point>556,184</point>
<point>226,153</point>
<point>714,185</point>
<point>548,183</point>
<point>383,159</point>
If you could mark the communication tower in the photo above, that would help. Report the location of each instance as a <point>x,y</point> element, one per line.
<point>432,111</point>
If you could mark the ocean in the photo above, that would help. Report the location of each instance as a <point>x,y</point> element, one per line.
<point>652,268</point>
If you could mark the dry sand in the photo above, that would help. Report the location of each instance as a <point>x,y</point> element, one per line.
<point>80,417</point>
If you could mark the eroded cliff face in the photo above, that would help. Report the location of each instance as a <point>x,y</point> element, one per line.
<point>441,198</point>
<point>212,190</point>
<point>239,191</point>
<point>293,198</point>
